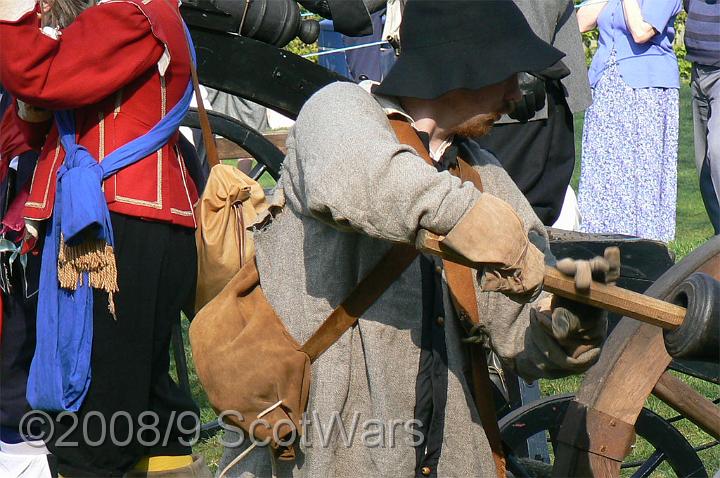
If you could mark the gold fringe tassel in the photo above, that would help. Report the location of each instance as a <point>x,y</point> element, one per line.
<point>94,257</point>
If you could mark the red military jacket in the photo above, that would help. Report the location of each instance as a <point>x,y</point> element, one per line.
<point>110,66</point>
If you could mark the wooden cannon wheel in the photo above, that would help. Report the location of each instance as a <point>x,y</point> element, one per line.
<point>598,428</point>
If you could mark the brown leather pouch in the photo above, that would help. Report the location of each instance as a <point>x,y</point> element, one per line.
<point>250,366</point>
<point>253,370</point>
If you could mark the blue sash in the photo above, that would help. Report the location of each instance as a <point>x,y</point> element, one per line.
<point>60,371</point>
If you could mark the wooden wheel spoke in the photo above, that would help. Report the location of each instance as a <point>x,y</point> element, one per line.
<point>686,400</point>
<point>647,466</point>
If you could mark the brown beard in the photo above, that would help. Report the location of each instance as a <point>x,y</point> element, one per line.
<point>477,126</point>
<point>63,12</point>
<point>481,124</point>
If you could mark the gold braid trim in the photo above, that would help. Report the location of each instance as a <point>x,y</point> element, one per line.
<point>95,257</point>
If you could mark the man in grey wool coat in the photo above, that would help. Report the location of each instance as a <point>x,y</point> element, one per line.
<point>392,397</point>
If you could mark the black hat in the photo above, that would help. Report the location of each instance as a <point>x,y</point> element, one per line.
<point>452,44</point>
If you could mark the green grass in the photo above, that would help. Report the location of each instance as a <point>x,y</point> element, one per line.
<point>693,228</point>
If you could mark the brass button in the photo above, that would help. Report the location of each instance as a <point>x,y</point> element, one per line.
<point>425,470</point>
<point>440,321</point>
<point>438,269</point>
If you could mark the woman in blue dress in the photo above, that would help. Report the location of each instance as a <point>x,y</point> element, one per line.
<point>628,180</point>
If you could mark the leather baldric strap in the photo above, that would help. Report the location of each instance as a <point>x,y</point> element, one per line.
<point>461,283</point>
<point>462,290</point>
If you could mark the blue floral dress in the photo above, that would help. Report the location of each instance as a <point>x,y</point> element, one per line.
<point>628,180</point>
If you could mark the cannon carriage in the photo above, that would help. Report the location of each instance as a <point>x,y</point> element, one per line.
<point>590,433</point>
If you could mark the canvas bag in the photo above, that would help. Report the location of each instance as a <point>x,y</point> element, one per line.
<point>230,203</point>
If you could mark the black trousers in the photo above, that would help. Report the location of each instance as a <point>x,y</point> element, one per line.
<point>538,155</point>
<point>18,340</point>
<point>20,288</point>
<point>133,408</point>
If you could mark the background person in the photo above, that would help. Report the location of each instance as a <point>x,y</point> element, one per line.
<point>628,181</point>
<point>538,149</point>
<point>118,73</point>
<point>702,41</point>
<point>20,456</point>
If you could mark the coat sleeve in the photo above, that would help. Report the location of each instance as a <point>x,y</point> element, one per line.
<point>105,48</point>
<point>346,167</point>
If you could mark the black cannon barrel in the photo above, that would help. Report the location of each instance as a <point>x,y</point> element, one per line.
<point>275,22</point>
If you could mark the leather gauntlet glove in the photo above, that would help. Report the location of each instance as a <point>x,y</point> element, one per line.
<point>579,329</point>
<point>492,234</point>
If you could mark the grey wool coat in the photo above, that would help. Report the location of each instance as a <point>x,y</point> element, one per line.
<point>351,189</point>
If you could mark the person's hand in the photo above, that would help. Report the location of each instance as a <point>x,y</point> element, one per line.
<point>32,114</point>
<point>522,280</point>
<point>580,329</point>
<point>604,269</point>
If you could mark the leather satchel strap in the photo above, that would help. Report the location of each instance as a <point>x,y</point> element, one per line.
<point>208,138</point>
<point>207,135</point>
<point>369,290</point>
